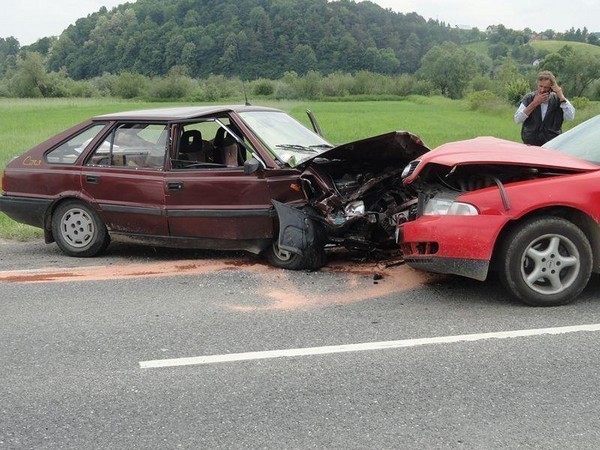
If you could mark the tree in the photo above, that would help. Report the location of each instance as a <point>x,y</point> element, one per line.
<point>303,59</point>
<point>575,70</point>
<point>411,54</point>
<point>449,67</point>
<point>9,49</point>
<point>30,77</point>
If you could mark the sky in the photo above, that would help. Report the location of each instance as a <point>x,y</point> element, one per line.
<point>30,20</point>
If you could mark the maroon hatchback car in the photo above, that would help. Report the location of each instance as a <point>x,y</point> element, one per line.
<point>216,177</point>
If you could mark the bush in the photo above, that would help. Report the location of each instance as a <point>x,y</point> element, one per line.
<point>580,102</point>
<point>481,83</point>
<point>594,90</point>
<point>286,88</point>
<point>128,85</point>
<point>486,101</point>
<point>309,86</point>
<point>370,83</point>
<point>285,91</point>
<point>83,88</point>
<point>515,90</point>
<point>406,85</point>
<point>217,87</point>
<point>104,84</point>
<point>56,85</point>
<point>337,85</point>
<point>173,87</point>
<point>4,92</point>
<point>263,86</point>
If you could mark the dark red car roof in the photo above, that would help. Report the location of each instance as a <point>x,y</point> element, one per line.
<point>180,112</point>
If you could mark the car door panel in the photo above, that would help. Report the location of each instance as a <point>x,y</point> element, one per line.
<point>226,203</point>
<point>130,201</point>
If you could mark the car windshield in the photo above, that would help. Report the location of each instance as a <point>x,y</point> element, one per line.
<point>289,140</point>
<point>582,141</point>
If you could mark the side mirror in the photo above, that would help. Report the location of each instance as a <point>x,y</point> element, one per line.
<point>251,165</point>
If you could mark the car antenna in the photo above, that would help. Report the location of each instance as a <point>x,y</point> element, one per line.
<point>247,103</point>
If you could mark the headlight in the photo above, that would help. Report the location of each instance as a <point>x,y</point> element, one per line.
<point>445,207</point>
<point>356,208</point>
<point>409,169</point>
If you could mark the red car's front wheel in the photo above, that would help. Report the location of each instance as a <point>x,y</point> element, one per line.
<point>546,261</point>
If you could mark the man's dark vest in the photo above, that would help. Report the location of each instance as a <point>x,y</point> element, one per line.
<point>536,131</point>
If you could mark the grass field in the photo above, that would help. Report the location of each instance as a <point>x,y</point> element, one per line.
<point>549,46</point>
<point>554,46</point>
<point>25,123</point>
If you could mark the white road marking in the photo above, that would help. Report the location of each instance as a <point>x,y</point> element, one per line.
<point>213,359</point>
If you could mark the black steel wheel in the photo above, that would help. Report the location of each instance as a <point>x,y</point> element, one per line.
<point>312,259</point>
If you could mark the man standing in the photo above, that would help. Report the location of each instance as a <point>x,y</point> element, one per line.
<point>542,112</point>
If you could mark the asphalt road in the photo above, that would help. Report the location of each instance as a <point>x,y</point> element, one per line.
<point>80,340</point>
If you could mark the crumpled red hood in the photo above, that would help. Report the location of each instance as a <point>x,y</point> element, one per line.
<point>491,150</point>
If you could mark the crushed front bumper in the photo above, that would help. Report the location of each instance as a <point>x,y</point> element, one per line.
<point>459,245</point>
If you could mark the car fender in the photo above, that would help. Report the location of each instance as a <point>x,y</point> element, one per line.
<point>66,196</point>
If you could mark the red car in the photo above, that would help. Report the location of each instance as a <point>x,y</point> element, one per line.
<point>218,177</point>
<point>530,213</point>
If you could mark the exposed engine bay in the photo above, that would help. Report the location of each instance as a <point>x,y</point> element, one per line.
<point>361,207</point>
<point>466,178</point>
<point>355,192</point>
<point>450,182</point>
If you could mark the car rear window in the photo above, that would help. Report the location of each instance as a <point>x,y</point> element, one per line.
<point>69,151</point>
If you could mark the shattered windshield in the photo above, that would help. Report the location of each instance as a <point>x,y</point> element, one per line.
<point>289,140</point>
<point>580,141</point>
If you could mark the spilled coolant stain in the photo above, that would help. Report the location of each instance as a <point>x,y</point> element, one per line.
<point>357,285</point>
<point>116,271</point>
<point>278,289</point>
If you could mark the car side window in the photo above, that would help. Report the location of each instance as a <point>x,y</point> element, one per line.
<point>133,146</point>
<point>209,145</point>
<point>69,151</point>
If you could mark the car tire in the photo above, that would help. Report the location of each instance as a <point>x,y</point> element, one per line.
<point>312,259</point>
<point>546,262</point>
<point>78,230</point>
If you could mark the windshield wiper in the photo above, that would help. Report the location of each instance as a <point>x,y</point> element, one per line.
<point>297,147</point>
<point>322,146</point>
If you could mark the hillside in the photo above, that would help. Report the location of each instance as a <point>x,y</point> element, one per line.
<point>554,46</point>
<point>541,47</point>
<point>246,38</point>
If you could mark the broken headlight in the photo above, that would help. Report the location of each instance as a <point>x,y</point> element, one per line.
<point>409,169</point>
<point>356,208</point>
<point>447,207</point>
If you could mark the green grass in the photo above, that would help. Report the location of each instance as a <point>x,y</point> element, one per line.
<point>25,123</point>
<point>435,119</point>
<point>554,46</point>
<point>549,46</point>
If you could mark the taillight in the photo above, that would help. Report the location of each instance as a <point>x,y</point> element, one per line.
<point>2,184</point>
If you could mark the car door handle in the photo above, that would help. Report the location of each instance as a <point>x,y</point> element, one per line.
<point>92,179</point>
<point>175,185</point>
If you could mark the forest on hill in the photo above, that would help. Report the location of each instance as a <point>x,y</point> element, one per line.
<point>245,38</point>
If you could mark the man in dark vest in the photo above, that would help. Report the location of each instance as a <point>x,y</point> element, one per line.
<point>542,112</point>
